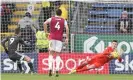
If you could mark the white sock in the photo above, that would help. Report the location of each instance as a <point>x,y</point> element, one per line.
<point>50,61</point>
<point>58,60</point>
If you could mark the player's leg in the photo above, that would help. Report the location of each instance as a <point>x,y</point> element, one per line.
<point>83,64</point>
<point>58,61</point>
<point>87,67</point>
<point>50,62</point>
<point>25,58</point>
<point>50,58</point>
<point>30,64</point>
<point>16,58</point>
<point>20,66</point>
<point>91,65</point>
<point>58,58</point>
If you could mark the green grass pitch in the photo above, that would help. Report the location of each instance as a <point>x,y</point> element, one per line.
<point>16,76</point>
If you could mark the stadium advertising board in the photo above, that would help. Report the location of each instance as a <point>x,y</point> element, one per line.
<point>69,62</point>
<point>97,43</point>
<point>126,67</point>
<point>7,66</point>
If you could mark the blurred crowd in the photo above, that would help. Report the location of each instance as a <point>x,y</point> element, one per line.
<point>7,10</point>
<point>124,24</point>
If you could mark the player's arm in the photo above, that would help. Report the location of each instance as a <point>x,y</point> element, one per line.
<point>45,24</point>
<point>26,43</point>
<point>67,32</point>
<point>3,44</point>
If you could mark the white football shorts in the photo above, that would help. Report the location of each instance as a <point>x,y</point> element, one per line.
<point>55,45</point>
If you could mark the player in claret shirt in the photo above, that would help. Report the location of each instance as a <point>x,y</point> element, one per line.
<point>57,25</point>
<point>99,60</point>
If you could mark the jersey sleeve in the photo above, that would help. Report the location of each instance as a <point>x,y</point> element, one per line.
<point>21,40</point>
<point>24,42</point>
<point>107,51</point>
<point>49,20</point>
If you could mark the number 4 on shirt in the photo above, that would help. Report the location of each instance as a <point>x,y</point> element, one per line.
<point>57,26</point>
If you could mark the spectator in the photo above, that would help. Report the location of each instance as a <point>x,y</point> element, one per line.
<point>64,9</point>
<point>42,42</point>
<point>46,9</point>
<point>57,4</point>
<point>45,13</point>
<point>124,24</point>
<point>63,6</point>
<point>28,29</point>
<point>5,17</point>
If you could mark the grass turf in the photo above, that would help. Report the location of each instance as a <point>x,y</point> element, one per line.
<point>9,76</point>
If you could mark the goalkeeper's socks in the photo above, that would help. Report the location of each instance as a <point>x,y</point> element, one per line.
<point>31,66</point>
<point>19,66</point>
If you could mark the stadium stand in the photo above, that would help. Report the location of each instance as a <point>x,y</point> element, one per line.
<point>7,10</point>
<point>106,15</point>
<point>19,11</point>
<point>100,29</point>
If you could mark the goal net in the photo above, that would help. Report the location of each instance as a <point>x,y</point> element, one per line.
<point>93,25</point>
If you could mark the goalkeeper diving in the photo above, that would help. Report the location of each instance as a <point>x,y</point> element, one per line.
<point>99,60</point>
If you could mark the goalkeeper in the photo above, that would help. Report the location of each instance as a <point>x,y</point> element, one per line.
<point>99,60</point>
